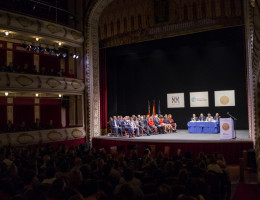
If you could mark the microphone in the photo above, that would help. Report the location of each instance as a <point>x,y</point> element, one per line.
<point>228,113</point>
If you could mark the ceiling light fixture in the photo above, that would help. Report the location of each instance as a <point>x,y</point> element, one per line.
<point>36,94</point>
<point>6,33</point>
<point>6,93</point>
<point>60,95</point>
<point>37,39</point>
<point>59,43</point>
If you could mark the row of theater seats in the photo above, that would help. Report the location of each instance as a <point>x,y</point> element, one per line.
<point>80,173</point>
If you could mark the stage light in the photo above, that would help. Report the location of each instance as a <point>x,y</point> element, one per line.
<point>60,95</point>
<point>37,39</point>
<point>74,56</point>
<point>36,94</point>
<point>6,93</point>
<point>64,55</point>
<point>59,43</point>
<point>6,33</point>
<point>77,56</point>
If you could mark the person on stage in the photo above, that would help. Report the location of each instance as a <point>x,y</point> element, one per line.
<point>161,121</point>
<point>133,127</point>
<point>143,126</point>
<point>169,126</point>
<point>114,125</point>
<point>174,125</point>
<point>194,118</point>
<point>161,129</point>
<point>209,118</point>
<point>152,125</point>
<point>202,117</point>
<point>217,117</point>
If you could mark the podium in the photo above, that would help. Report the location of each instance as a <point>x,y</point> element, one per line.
<point>227,128</point>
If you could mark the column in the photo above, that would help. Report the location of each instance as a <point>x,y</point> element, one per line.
<point>72,111</point>
<point>10,109</point>
<point>79,110</point>
<point>36,109</point>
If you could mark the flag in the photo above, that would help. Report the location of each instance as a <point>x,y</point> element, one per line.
<point>159,108</point>
<point>149,112</point>
<point>154,107</point>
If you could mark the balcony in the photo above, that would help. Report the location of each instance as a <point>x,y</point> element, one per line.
<point>40,83</point>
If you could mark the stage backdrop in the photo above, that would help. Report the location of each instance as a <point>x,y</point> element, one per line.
<point>209,61</point>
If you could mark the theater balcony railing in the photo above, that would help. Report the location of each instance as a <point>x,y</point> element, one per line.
<point>14,82</point>
<point>41,136</point>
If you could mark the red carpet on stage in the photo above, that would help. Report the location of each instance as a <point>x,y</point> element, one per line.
<point>247,191</point>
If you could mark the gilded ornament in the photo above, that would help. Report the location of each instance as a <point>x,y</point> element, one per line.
<point>75,84</point>
<point>53,83</point>
<point>76,133</point>
<point>25,138</point>
<point>24,21</point>
<point>76,35</point>
<point>24,80</point>
<point>53,29</point>
<point>54,135</point>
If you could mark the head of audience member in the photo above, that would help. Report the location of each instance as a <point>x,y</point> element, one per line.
<point>23,124</point>
<point>201,115</point>
<point>114,118</point>
<point>209,115</point>
<point>110,118</point>
<point>9,123</point>
<point>217,115</point>
<point>151,118</point>
<point>169,116</point>
<point>193,115</point>
<point>131,118</point>
<point>141,118</point>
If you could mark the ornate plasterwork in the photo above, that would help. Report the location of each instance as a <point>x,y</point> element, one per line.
<point>92,68</point>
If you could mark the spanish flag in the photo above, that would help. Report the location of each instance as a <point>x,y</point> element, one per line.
<point>149,112</point>
<point>154,107</point>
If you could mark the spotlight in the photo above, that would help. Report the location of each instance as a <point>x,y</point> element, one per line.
<point>6,33</point>
<point>64,55</point>
<point>59,43</point>
<point>36,94</point>
<point>74,56</point>
<point>37,39</point>
<point>60,95</point>
<point>6,93</point>
<point>77,56</point>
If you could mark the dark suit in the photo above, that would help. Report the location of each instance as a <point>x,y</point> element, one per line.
<point>202,119</point>
<point>194,119</point>
<point>158,125</point>
<point>114,126</point>
<point>217,118</point>
<point>143,124</point>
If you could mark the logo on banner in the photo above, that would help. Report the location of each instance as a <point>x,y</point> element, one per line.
<point>175,100</point>
<point>224,100</point>
<point>225,126</point>
<point>193,99</point>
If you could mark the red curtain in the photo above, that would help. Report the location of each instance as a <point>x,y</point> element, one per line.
<point>3,117</point>
<point>21,58</point>
<point>103,90</point>
<point>50,62</point>
<point>50,112</point>
<point>24,113</point>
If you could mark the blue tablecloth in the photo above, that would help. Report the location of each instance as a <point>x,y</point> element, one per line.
<point>203,127</point>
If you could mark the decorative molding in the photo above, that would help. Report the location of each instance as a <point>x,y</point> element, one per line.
<point>53,28</point>
<point>30,82</point>
<point>42,136</point>
<point>25,22</point>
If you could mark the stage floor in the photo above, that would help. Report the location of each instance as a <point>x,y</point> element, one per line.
<point>182,136</point>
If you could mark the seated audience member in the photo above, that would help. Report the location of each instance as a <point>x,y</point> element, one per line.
<point>50,125</point>
<point>202,117</point>
<point>167,122</point>
<point>34,70</point>
<point>51,72</point>
<point>23,127</point>
<point>158,125</point>
<point>114,125</point>
<point>60,72</point>
<point>26,69</point>
<point>9,126</point>
<point>152,125</point>
<point>209,118</point>
<point>217,117</point>
<point>161,121</point>
<point>174,125</point>
<point>143,126</point>
<point>37,124</point>
<point>43,71</point>
<point>194,118</point>
<point>3,67</point>
<point>17,69</point>
<point>10,67</point>
<point>133,127</point>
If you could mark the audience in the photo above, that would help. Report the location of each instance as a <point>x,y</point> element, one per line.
<point>79,173</point>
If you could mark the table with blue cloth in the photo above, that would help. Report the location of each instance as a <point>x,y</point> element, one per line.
<point>203,127</point>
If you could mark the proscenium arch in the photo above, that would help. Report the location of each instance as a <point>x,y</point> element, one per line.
<point>91,46</point>
<point>91,64</point>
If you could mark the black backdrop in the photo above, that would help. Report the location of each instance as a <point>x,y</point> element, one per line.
<point>208,61</point>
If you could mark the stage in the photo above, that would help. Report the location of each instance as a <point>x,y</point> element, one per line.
<point>171,142</point>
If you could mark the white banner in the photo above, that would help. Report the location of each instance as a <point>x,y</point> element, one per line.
<point>199,99</point>
<point>225,98</point>
<point>226,128</point>
<point>175,100</point>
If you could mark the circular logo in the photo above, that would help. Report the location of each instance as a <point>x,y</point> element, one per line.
<point>224,100</point>
<point>225,126</point>
<point>193,99</point>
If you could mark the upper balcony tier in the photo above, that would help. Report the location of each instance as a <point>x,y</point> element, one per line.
<point>40,83</point>
<point>24,27</point>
